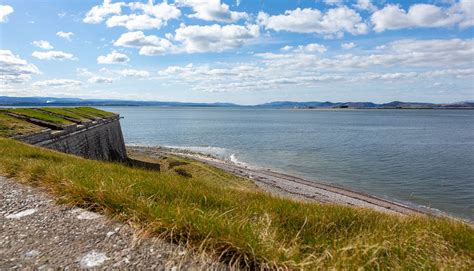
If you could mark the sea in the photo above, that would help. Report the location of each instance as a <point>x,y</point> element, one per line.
<point>417,157</point>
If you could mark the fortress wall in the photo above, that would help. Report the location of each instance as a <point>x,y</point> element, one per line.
<point>102,140</point>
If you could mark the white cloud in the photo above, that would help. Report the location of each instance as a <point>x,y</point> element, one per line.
<point>134,73</point>
<point>154,16</point>
<point>348,45</point>
<point>272,76</point>
<point>57,83</point>
<point>334,21</point>
<point>418,15</point>
<point>42,44</point>
<point>191,39</point>
<point>308,48</point>
<point>134,22</point>
<point>113,58</point>
<point>214,38</point>
<point>5,10</point>
<point>100,80</point>
<point>53,55</point>
<point>466,8</point>
<point>65,35</point>
<point>333,2</point>
<point>14,69</point>
<point>148,45</point>
<point>163,10</point>
<point>212,10</point>
<point>84,72</point>
<point>142,16</point>
<point>365,5</point>
<point>98,13</point>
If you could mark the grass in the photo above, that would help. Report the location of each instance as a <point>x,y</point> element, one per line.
<point>229,218</point>
<point>37,114</point>
<point>10,126</point>
<point>94,112</point>
<point>64,112</point>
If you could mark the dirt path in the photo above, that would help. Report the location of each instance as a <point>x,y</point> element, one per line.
<point>38,234</point>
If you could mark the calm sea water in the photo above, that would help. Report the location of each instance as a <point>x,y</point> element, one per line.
<point>424,157</point>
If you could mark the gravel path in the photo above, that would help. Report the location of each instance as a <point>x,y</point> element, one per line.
<point>38,234</point>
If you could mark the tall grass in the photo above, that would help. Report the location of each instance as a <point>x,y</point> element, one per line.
<point>37,114</point>
<point>229,218</point>
<point>10,126</point>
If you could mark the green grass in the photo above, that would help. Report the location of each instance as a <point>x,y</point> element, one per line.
<point>229,218</point>
<point>10,126</point>
<point>89,112</point>
<point>37,114</point>
<point>64,112</point>
<point>94,112</point>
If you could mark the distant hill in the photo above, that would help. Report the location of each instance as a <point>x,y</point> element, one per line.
<point>53,101</point>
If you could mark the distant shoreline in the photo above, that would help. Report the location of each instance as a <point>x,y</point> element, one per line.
<point>55,101</point>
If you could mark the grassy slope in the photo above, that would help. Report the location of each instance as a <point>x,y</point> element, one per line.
<point>228,217</point>
<point>10,126</point>
<point>33,113</point>
<point>64,112</point>
<point>94,112</point>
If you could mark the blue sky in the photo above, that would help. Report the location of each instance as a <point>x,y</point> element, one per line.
<point>243,51</point>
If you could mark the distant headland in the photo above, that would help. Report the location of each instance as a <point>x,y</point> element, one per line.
<point>53,101</point>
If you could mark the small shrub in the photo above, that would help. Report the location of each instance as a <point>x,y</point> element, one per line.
<point>175,163</point>
<point>183,172</point>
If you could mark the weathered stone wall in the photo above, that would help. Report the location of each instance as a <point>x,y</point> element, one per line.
<point>100,141</point>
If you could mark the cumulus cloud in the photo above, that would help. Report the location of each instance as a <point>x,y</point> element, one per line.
<point>466,8</point>
<point>348,45</point>
<point>418,15</point>
<point>191,39</point>
<point>142,16</point>
<point>42,44</point>
<point>154,16</point>
<point>53,55</point>
<point>99,12</point>
<point>163,10</point>
<point>214,38</point>
<point>14,69</point>
<point>334,21</point>
<point>57,83</point>
<point>100,80</point>
<point>5,10</point>
<point>365,5</point>
<point>134,73</point>
<point>333,2</point>
<point>148,45</point>
<point>212,10</point>
<point>65,35</point>
<point>113,58</point>
<point>308,48</point>
<point>134,22</point>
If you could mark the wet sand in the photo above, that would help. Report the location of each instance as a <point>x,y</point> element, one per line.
<point>291,186</point>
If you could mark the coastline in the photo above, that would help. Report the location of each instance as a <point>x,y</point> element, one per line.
<point>281,184</point>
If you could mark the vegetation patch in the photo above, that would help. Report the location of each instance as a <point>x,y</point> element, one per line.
<point>65,112</point>
<point>228,217</point>
<point>94,112</point>
<point>10,126</point>
<point>38,114</point>
<point>183,172</point>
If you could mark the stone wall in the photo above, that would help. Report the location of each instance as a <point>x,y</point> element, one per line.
<point>101,140</point>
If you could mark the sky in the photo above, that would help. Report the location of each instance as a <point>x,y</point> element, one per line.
<point>240,51</point>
